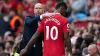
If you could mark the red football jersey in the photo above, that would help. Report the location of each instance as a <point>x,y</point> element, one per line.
<point>53,29</point>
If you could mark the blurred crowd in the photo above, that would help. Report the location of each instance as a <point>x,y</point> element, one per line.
<point>83,16</point>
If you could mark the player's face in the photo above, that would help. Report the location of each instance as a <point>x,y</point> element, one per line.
<point>38,10</point>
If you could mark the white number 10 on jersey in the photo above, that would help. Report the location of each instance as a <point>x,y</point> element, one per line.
<point>50,31</point>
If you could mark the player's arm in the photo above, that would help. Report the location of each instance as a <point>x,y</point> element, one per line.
<point>67,42</point>
<point>33,40</point>
<point>67,38</point>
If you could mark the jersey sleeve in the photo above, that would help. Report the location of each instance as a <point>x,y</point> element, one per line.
<point>66,27</point>
<point>40,27</point>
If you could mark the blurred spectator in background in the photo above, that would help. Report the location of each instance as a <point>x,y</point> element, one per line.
<point>20,7</point>
<point>31,4</point>
<point>7,33</point>
<point>4,54</point>
<point>8,47</point>
<point>79,10</point>
<point>77,43</point>
<point>1,39</point>
<point>97,2</point>
<point>2,48</point>
<point>49,6</point>
<point>24,14</point>
<point>92,50</point>
<point>12,4</point>
<point>4,8</point>
<point>90,5</point>
<point>1,5</point>
<point>4,25</point>
<point>80,6</point>
<point>16,24</point>
<point>10,37</point>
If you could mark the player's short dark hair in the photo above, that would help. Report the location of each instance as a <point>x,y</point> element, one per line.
<point>61,4</point>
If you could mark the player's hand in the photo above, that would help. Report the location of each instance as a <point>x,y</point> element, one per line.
<point>23,51</point>
<point>49,14</point>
